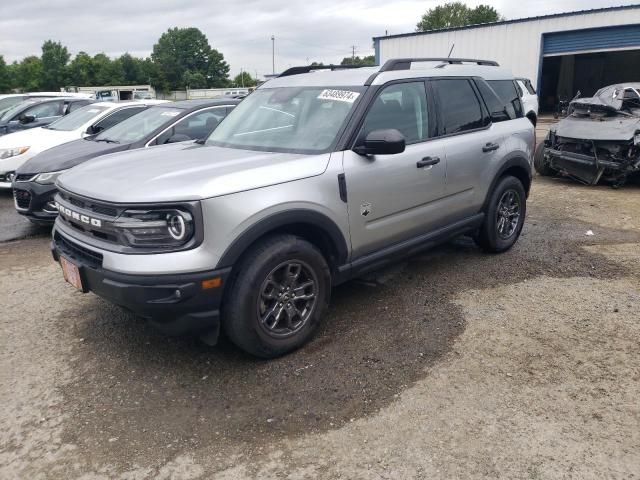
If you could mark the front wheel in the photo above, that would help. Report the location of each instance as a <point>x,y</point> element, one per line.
<point>278,296</point>
<point>539,162</point>
<point>504,216</point>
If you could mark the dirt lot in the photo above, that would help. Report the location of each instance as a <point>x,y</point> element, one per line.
<point>455,364</point>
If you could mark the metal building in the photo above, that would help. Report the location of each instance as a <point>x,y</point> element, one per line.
<point>561,54</point>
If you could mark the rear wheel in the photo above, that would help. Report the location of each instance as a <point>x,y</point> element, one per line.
<point>539,162</point>
<point>504,216</point>
<point>278,296</point>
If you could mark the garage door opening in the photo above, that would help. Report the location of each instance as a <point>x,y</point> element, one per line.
<point>564,75</point>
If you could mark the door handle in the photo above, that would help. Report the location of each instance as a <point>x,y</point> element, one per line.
<point>428,162</point>
<point>490,147</point>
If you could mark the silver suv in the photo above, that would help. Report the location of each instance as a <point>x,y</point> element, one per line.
<point>318,176</point>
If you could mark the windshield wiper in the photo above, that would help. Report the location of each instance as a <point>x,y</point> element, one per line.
<point>106,140</point>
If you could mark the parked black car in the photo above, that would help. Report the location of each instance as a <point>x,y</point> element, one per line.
<point>34,183</point>
<point>38,113</point>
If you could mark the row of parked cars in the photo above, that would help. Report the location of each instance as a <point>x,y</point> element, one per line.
<point>317,177</point>
<point>31,160</point>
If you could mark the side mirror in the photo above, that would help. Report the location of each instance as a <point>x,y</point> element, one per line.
<point>179,137</point>
<point>93,129</point>
<point>381,142</point>
<point>26,119</point>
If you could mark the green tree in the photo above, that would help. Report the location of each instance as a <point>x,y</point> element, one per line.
<point>81,71</point>
<point>107,71</point>
<point>29,74</point>
<point>244,79</point>
<point>54,63</point>
<point>5,76</point>
<point>181,50</point>
<point>194,80</point>
<point>369,60</point>
<point>456,14</point>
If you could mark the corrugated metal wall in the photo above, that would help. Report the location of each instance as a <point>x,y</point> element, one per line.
<point>515,45</point>
<point>617,37</point>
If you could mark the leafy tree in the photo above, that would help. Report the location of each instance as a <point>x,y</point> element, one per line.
<point>456,14</point>
<point>369,60</point>
<point>54,63</point>
<point>194,80</point>
<point>81,71</point>
<point>29,74</point>
<point>5,76</point>
<point>187,49</point>
<point>131,69</point>
<point>244,79</point>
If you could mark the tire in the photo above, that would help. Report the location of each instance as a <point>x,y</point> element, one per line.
<point>267,312</point>
<point>539,164</point>
<point>491,238</point>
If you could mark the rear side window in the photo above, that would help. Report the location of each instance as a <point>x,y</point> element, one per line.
<point>497,108</point>
<point>459,106</point>
<point>506,90</point>
<point>528,86</point>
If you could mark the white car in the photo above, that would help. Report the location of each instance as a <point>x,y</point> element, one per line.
<point>529,99</point>
<point>17,148</point>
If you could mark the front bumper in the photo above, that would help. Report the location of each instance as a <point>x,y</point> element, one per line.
<point>33,200</point>
<point>176,304</point>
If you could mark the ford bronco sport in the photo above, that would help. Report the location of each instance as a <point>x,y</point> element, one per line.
<point>318,176</point>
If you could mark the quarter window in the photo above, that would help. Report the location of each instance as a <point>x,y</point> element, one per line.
<point>459,106</point>
<point>506,90</point>
<point>497,108</point>
<point>402,106</point>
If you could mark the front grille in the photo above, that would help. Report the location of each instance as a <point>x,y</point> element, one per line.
<point>78,252</point>
<point>90,205</point>
<point>25,177</point>
<point>22,199</point>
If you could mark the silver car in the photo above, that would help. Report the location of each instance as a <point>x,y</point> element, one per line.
<point>317,177</point>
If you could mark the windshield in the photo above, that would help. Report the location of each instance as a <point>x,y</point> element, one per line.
<point>76,119</point>
<point>291,119</point>
<point>8,102</point>
<point>139,126</point>
<point>15,109</point>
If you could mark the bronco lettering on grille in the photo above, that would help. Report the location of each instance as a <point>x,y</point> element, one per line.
<point>67,212</point>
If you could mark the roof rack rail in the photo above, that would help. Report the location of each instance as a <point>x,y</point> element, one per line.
<point>405,63</point>
<point>309,68</point>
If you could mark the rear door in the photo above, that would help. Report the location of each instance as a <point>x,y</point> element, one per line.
<point>392,198</point>
<point>471,143</point>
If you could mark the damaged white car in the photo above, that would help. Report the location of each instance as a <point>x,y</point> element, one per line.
<point>598,141</point>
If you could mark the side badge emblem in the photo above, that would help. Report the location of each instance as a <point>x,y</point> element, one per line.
<point>365,209</point>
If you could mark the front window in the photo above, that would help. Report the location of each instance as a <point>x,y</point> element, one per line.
<point>13,111</point>
<point>76,119</point>
<point>291,119</point>
<point>8,102</point>
<point>139,126</point>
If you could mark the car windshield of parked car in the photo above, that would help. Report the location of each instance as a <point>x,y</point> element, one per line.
<point>8,102</point>
<point>139,126</point>
<point>76,119</point>
<point>288,119</point>
<point>9,114</point>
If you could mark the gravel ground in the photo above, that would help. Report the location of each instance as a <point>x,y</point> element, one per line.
<point>455,364</point>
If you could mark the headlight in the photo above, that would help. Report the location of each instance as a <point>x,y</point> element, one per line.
<point>12,152</point>
<point>48,178</point>
<point>168,228</point>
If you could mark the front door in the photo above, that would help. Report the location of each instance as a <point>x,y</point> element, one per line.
<point>394,197</point>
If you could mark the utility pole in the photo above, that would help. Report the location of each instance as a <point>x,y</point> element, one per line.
<point>273,54</point>
<point>353,53</point>
<point>242,77</point>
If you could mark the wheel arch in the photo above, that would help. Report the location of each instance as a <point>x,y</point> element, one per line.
<point>315,227</point>
<point>518,167</point>
<point>533,117</point>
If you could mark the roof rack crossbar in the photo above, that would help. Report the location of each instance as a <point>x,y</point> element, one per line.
<point>310,68</point>
<point>405,63</point>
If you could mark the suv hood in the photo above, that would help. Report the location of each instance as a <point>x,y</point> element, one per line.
<point>185,171</point>
<point>614,128</point>
<point>67,155</point>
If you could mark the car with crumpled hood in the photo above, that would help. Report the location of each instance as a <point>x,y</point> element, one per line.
<point>599,141</point>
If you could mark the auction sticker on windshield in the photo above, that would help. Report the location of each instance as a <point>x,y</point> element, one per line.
<point>339,95</point>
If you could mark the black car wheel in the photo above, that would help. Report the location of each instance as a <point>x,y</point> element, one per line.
<point>504,216</point>
<point>539,162</point>
<point>276,299</point>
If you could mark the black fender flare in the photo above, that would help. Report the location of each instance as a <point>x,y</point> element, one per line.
<point>281,220</point>
<point>515,162</point>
